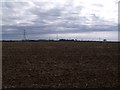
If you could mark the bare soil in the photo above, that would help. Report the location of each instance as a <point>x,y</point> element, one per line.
<point>59,64</point>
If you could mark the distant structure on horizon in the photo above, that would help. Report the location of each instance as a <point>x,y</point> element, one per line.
<point>24,35</point>
<point>57,38</point>
<point>104,40</point>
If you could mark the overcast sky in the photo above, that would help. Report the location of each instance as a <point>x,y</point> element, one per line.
<point>69,19</point>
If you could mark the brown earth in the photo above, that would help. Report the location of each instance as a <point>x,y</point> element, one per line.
<point>59,64</point>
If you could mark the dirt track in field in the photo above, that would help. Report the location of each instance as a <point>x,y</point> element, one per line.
<point>59,64</point>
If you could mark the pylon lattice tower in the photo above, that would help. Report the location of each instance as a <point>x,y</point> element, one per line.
<point>24,34</point>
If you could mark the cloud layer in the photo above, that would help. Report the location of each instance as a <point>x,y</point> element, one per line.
<point>66,18</point>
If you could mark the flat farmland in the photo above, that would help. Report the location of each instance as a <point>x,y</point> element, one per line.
<point>59,65</point>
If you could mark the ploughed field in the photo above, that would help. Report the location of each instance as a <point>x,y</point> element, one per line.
<point>59,64</point>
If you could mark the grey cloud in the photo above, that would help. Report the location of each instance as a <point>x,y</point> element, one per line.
<point>36,20</point>
<point>98,5</point>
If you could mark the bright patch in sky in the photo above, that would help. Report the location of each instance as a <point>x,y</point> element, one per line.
<point>76,19</point>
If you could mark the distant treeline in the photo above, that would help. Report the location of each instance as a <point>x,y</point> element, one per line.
<point>41,40</point>
<point>60,40</point>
